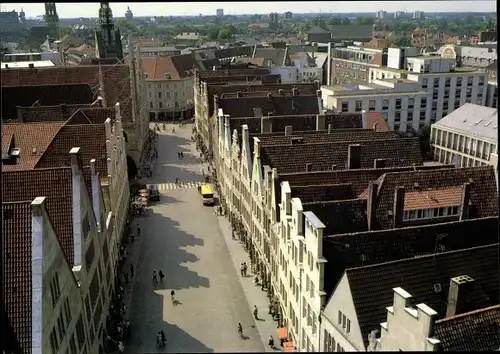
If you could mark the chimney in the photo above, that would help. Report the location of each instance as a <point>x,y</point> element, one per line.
<point>334,167</point>
<point>354,156</point>
<point>269,96</point>
<point>216,105</point>
<point>295,92</point>
<point>320,122</point>
<point>379,163</point>
<point>363,119</point>
<point>318,93</point>
<point>398,208</point>
<point>308,167</point>
<point>371,205</point>
<point>96,195</point>
<point>256,147</point>
<point>330,128</point>
<point>288,130</point>
<point>238,94</point>
<point>281,92</point>
<point>464,202</point>
<point>266,125</point>
<point>461,289</point>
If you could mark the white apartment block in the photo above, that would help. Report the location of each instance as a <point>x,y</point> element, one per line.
<point>467,137</point>
<point>427,89</point>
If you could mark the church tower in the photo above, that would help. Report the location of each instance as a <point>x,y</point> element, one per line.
<point>22,18</point>
<point>108,39</point>
<point>52,19</point>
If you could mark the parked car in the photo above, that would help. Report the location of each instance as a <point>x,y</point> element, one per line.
<point>154,193</point>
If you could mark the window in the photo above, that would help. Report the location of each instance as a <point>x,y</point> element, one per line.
<point>468,93</point>
<point>409,117</point>
<point>398,103</point>
<point>385,105</point>
<point>411,102</point>
<point>340,318</point>
<point>446,93</point>
<point>344,322</point>
<point>447,81</point>
<point>456,104</point>
<point>61,327</point>
<point>481,80</point>
<point>150,104</point>
<point>459,81</point>
<point>371,106</point>
<point>445,105</point>
<point>397,116</point>
<point>469,81</point>
<point>435,94</point>
<point>345,107</point>
<point>149,94</point>
<point>159,94</point>
<point>359,106</point>
<point>423,102</point>
<point>348,328</point>
<point>422,115</point>
<point>160,104</point>
<point>54,289</point>
<point>67,311</point>
<point>54,344</point>
<point>424,83</point>
<point>458,94</point>
<point>159,86</point>
<point>436,82</point>
<point>72,345</point>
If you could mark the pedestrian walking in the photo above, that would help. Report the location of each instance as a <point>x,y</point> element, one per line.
<point>132,237</point>
<point>172,296</point>
<point>245,268</point>
<point>160,273</point>
<point>255,312</point>
<point>155,279</point>
<point>242,269</point>
<point>131,270</point>
<point>271,342</point>
<point>138,231</point>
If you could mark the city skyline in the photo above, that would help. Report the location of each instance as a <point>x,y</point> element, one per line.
<point>67,10</point>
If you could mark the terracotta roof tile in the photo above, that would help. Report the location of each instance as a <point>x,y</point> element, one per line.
<point>32,139</point>
<point>472,331</point>
<point>434,198</point>
<point>372,247</point>
<point>227,74</point>
<point>90,138</point>
<point>483,195</point>
<point>16,273</point>
<point>48,113</point>
<point>417,276</point>
<point>94,115</point>
<point>116,81</point>
<point>249,78</point>
<point>294,158</point>
<point>376,120</point>
<point>278,105</point>
<point>56,185</point>
<point>324,192</point>
<point>7,137</point>
<point>45,95</point>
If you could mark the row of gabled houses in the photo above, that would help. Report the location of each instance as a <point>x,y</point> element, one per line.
<point>359,243</point>
<point>71,138</point>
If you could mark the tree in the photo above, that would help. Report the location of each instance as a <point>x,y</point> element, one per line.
<point>363,20</point>
<point>335,20</point>
<point>224,33</point>
<point>403,41</point>
<point>346,21</point>
<point>319,22</point>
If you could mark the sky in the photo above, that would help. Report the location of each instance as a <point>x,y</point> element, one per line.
<point>75,10</point>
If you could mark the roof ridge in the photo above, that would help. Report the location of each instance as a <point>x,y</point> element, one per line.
<point>415,258</point>
<point>466,314</point>
<point>361,142</point>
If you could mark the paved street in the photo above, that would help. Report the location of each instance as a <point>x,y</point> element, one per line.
<point>188,243</point>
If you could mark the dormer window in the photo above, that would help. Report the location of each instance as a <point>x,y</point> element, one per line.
<point>168,76</point>
<point>431,213</point>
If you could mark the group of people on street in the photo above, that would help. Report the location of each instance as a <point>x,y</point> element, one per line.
<point>243,269</point>
<point>180,155</point>
<point>155,278</point>
<point>161,339</point>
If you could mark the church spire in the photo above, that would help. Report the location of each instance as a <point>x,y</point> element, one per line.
<point>51,17</point>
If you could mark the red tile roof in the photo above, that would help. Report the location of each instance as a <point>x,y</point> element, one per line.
<point>90,138</point>
<point>32,139</point>
<point>483,195</point>
<point>470,332</point>
<point>116,81</point>
<point>376,121</point>
<point>434,198</point>
<point>48,113</point>
<point>372,293</point>
<point>16,273</point>
<point>94,115</point>
<point>163,68</point>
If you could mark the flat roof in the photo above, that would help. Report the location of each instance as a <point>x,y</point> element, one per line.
<point>458,71</point>
<point>26,64</point>
<point>472,119</point>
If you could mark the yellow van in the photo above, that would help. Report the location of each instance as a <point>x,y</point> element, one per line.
<point>207,194</point>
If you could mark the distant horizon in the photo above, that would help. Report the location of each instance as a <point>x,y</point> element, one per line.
<point>175,9</point>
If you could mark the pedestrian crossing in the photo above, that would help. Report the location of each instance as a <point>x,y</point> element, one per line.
<point>165,186</point>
